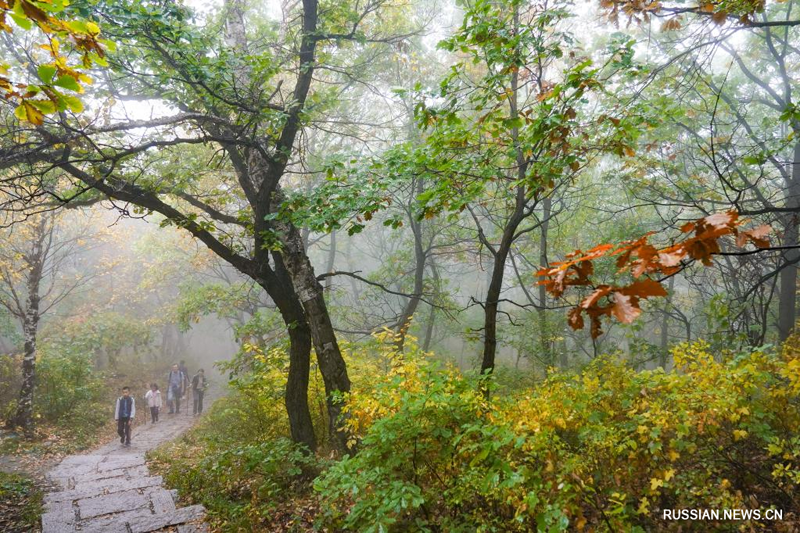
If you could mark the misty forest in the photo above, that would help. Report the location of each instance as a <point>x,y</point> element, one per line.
<point>432,265</point>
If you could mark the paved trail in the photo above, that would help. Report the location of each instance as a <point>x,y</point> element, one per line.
<point>111,491</point>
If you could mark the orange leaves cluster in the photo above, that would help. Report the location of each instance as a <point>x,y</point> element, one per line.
<point>640,258</point>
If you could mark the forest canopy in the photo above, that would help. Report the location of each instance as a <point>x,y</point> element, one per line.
<point>496,265</point>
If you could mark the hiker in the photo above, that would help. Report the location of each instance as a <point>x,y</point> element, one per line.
<point>153,398</point>
<point>199,385</point>
<point>124,413</point>
<point>176,387</point>
<point>183,368</point>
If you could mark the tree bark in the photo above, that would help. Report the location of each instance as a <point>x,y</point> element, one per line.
<point>419,278</point>
<point>311,295</point>
<point>544,341</point>
<point>492,303</point>
<point>331,260</point>
<point>787,299</point>
<point>23,417</point>
<point>664,358</point>
<point>278,286</point>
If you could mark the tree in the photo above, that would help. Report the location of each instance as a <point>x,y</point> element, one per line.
<point>512,133</point>
<point>252,106</point>
<point>37,271</point>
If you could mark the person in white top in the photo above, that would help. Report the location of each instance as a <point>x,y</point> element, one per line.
<point>153,398</point>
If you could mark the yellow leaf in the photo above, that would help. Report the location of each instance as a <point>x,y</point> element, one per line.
<point>673,455</point>
<point>655,483</point>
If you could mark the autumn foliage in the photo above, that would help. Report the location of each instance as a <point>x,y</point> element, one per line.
<point>56,73</point>
<point>643,261</point>
<point>605,449</point>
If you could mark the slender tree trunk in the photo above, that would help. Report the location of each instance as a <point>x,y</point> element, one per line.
<point>492,303</point>
<point>545,342</point>
<point>787,299</point>
<point>426,345</point>
<point>351,266</point>
<point>23,417</point>
<point>665,325</point>
<point>331,261</point>
<point>504,248</point>
<point>419,281</point>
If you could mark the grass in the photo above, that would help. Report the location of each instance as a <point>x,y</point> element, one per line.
<point>20,503</point>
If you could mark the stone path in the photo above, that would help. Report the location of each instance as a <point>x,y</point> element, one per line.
<point>111,491</point>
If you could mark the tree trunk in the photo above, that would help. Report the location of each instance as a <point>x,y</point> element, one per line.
<point>419,284</point>
<point>544,340</point>
<point>278,286</point>
<point>432,315</point>
<point>787,300</point>
<point>664,358</point>
<point>310,293</point>
<point>492,303</point>
<point>331,261</point>
<point>23,417</point>
<point>501,253</point>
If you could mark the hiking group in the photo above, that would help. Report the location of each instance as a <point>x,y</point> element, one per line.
<point>177,384</point>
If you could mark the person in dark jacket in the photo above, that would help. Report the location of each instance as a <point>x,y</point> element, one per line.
<point>124,413</point>
<point>176,387</point>
<point>199,385</point>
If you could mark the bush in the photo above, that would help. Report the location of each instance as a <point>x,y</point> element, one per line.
<point>10,377</point>
<point>241,483</point>
<point>66,384</point>
<point>605,449</point>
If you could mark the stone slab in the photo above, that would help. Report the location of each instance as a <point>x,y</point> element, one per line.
<point>146,524</point>
<point>112,503</point>
<point>162,501</point>
<point>115,523</point>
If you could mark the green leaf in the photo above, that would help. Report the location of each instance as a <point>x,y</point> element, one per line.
<point>45,106</point>
<point>22,22</point>
<point>46,73</point>
<point>68,82</point>
<point>73,103</point>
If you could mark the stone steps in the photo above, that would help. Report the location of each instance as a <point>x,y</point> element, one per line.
<point>111,491</point>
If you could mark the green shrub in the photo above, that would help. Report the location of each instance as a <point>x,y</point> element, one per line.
<point>240,483</point>
<point>604,450</point>
<point>67,385</point>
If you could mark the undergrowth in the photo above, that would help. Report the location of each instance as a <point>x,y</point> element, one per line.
<point>603,449</point>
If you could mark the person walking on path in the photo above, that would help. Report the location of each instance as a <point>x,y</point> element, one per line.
<point>199,385</point>
<point>124,413</point>
<point>153,398</point>
<point>183,368</point>
<point>176,387</point>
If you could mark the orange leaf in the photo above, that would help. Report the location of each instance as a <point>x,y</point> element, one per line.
<point>626,308</point>
<point>644,288</point>
<point>721,220</point>
<point>591,300</point>
<point>574,318</point>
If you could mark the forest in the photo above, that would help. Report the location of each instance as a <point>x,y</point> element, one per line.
<point>446,265</point>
